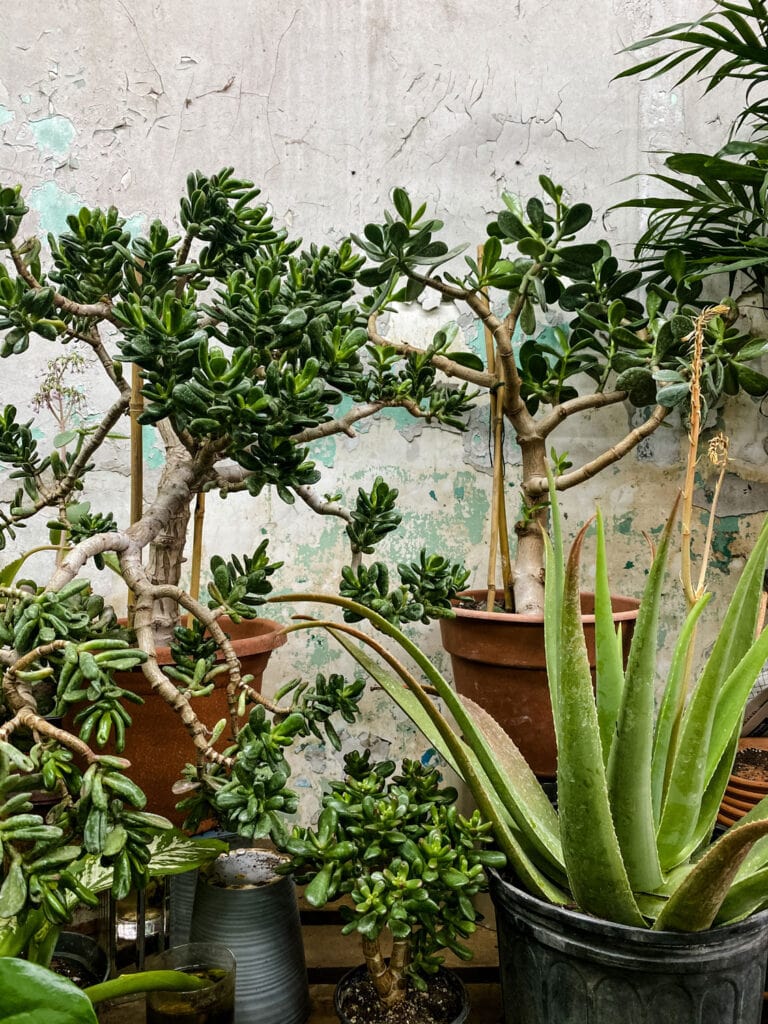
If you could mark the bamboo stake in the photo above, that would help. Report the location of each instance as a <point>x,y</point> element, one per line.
<point>499,538</point>
<point>135,409</point>
<point>197,550</point>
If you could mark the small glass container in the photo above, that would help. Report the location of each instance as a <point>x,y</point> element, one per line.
<point>214,1004</point>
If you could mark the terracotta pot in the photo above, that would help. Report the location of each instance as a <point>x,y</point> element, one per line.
<point>743,793</point>
<point>498,660</point>
<point>157,743</point>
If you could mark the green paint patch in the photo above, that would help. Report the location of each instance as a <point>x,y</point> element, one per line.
<point>433,496</point>
<point>54,134</point>
<point>6,115</point>
<point>725,532</point>
<point>154,453</point>
<point>623,524</point>
<point>324,451</point>
<point>629,565</point>
<point>53,206</point>
<point>135,225</point>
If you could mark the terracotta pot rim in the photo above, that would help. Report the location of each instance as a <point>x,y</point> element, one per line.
<point>265,639</point>
<point>629,614</point>
<point>739,784</point>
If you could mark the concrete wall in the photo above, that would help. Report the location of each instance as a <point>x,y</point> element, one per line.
<point>327,106</point>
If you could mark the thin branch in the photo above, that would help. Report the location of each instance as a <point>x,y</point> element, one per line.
<point>343,425</point>
<point>480,378</point>
<point>582,403</point>
<point>322,506</point>
<point>26,717</point>
<point>538,486</point>
<point>100,310</point>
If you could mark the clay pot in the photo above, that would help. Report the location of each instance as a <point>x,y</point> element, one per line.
<point>743,792</point>
<point>157,743</point>
<point>498,660</point>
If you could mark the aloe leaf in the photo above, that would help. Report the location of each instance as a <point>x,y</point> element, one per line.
<point>629,765</point>
<point>590,847</point>
<point>710,804</point>
<point>672,705</point>
<point>745,897</point>
<point>532,810</point>
<point>708,726</point>
<point>467,765</point>
<point>695,904</point>
<point>682,807</point>
<point>521,796</point>
<point>553,596</point>
<point>608,653</point>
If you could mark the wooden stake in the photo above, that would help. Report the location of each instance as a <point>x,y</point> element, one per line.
<point>499,538</point>
<point>135,409</point>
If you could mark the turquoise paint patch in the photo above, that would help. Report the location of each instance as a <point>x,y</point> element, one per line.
<point>154,454</point>
<point>6,115</point>
<point>458,491</point>
<point>725,532</point>
<point>433,496</point>
<point>629,565</point>
<point>53,206</point>
<point>324,451</point>
<point>54,134</point>
<point>623,524</point>
<point>135,225</point>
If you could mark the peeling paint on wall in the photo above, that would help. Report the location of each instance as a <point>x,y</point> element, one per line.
<point>6,115</point>
<point>54,134</point>
<point>53,206</point>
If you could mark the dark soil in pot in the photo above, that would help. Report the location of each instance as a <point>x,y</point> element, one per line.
<point>752,763</point>
<point>80,958</point>
<point>444,1002</point>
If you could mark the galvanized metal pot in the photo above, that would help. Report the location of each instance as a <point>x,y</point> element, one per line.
<point>240,901</point>
<point>562,967</point>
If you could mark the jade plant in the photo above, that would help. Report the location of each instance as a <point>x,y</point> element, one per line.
<point>638,788</point>
<point>612,345</point>
<point>410,863</point>
<point>69,834</point>
<point>242,348</point>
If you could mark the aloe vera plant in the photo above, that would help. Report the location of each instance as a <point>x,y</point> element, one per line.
<point>638,791</point>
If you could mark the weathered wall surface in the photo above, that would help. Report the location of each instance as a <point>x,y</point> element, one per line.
<point>327,106</point>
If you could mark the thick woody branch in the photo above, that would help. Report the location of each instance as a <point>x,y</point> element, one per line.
<point>538,486</point>
<point>117,541</point>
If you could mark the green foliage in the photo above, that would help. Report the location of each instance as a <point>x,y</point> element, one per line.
<point>712,210</point>
<point>398,846</point>
<point>240,586</point>
<point>611,336</point>
<point>426,590</point>
<point>373,516</point>
<point>639,791</point>
<point>252,798</point>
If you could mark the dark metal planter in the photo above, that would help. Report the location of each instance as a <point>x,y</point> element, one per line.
<point>240,901</point>
<point>562,967</point>
<point>353,977</point>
